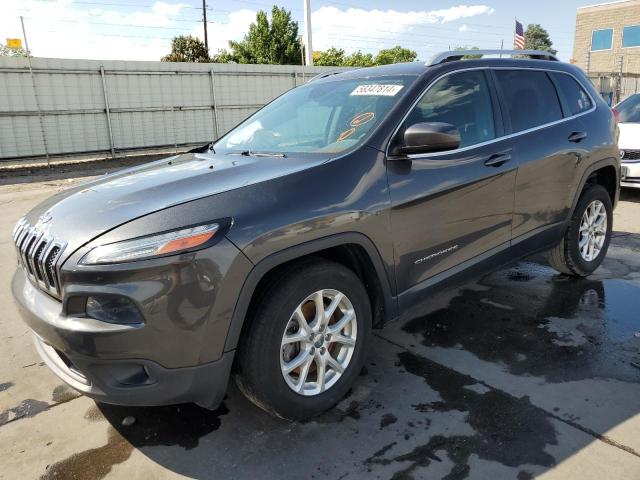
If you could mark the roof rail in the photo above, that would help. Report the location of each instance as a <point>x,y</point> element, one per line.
<point>327,74</point>
<point>454,55</point>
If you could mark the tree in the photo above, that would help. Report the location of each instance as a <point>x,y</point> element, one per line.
<point>332,57</point>
<point>537,38</point>
<point>396,54</point>
<point>359,59</point>
<point>186,48</point>
<point>274,42</point>
<point>468,57</point>
<point>12,52</point>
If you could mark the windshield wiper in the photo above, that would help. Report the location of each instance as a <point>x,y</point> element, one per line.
<point>250,153</point>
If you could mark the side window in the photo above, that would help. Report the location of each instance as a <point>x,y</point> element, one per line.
<point>574,95</point>
<point>530,97</point>
<point>460,99</point>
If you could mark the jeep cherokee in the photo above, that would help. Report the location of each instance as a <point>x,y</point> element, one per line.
<point>274,251</point>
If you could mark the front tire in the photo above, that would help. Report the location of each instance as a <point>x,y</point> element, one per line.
<point>307,340</point>
<point>586,241</point>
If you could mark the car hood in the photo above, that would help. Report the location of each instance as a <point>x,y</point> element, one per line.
<point>629,136</point>
<point>81,213</point>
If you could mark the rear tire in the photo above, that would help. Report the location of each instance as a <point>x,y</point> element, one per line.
<point>286,328</point>
<point>586,241</point>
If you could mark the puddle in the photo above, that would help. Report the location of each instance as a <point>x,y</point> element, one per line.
<point>182,425</point>
<point>5,386</point>
<point>507,430</point>
<point>538,323</point>
<point>27,408</point>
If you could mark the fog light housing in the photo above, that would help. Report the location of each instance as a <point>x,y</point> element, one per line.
<point>112,309</point>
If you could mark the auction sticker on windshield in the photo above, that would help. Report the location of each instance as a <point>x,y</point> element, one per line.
<point>382,90</point>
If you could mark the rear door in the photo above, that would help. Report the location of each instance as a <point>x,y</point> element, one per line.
<point>453,206</point>
<point>547,148</point>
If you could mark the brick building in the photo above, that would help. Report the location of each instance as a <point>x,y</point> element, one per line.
<point>607,45</point>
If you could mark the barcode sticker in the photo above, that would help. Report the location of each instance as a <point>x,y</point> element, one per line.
<point>377,90</point>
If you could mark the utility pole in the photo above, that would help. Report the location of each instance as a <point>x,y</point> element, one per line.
<point>204,22</point>
<point>620,79</point>
<point>307,25</point>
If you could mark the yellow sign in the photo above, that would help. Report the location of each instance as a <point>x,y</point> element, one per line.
<point>14,43</point>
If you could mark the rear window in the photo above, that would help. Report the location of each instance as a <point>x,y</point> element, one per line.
<point>574,95</point>
<point>531,98</point>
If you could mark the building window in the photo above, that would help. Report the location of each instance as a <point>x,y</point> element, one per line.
<point>601,39</point>
<point>631,36</point>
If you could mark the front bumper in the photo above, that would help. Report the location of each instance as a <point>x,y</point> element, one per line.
<point>176,355</point>
<point>630,174</point>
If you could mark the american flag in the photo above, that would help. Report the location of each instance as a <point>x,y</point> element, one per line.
<point>518,38</point>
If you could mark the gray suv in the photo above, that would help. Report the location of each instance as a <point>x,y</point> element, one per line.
<point>272,253</point>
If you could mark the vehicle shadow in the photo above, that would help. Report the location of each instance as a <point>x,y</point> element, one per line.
<point>507,377</point>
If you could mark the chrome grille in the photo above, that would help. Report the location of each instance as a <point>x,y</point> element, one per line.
<point>38,253</point>
<point>631,155</point>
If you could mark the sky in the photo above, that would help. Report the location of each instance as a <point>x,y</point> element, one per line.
<point>142,29</point>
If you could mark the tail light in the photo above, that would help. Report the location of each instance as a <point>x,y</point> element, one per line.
<point>616,114</point>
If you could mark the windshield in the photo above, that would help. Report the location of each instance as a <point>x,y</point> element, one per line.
<point>324,117</point>
<point>629,110</point>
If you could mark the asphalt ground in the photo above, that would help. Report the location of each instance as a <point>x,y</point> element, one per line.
<point>521,374</point>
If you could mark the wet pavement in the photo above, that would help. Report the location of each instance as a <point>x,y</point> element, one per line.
<point>522,374</point>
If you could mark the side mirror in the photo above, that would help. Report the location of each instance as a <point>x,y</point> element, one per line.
<point>427,137</point>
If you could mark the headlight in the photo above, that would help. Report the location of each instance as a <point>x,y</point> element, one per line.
<point>152,246</point>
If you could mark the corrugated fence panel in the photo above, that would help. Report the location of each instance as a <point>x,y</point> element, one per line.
<point>150,104</point>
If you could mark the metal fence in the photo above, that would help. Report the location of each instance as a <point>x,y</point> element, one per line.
<point>615,88</point>
<point>65,107</point>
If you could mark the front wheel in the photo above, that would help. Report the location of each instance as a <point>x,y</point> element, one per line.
<point>306,341</point>
<point>585,244</point>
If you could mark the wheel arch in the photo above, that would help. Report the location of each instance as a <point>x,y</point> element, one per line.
<point>354,250</point>
<point>605,172</point>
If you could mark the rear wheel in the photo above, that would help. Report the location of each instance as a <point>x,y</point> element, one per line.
<point>585,244</point>
<point>306,341</point>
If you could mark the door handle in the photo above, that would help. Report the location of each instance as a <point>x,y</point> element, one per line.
<point>497,159</point>
<point>577,137</point>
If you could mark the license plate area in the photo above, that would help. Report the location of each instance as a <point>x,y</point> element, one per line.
<point>624,171</point>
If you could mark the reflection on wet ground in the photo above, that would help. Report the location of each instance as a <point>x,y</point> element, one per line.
<point>409,416</point>
<point>543,324</point>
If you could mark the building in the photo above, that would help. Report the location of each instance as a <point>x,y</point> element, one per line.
<point>607,46</point>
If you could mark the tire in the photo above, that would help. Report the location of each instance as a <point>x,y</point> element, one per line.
<point>567,257</point>
<point>263,359</point>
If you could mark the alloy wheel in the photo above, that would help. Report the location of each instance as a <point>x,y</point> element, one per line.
<point>593,230</point>
<point>318,342</point>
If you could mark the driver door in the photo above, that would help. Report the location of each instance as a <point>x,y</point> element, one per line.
<point>452,207</point>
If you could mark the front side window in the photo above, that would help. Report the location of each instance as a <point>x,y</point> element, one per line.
<point>601,39</point>
<point>321,117</point>
<point>530,97</point>
<point>574,95</point>
<point>462,100</point>
<point>631,36</point>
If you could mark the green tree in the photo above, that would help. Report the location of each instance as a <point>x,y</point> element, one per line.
<point>12,52</point>
<point>468,57</point>
<point>274,42</point>
<point>359,59</point>
<point>396,54</point>
<point>537,38</point>
<point>186,48</point>
<point>331,57</point>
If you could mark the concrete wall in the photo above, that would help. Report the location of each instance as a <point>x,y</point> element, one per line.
<point>73,107</point>
<point>614,15</point>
